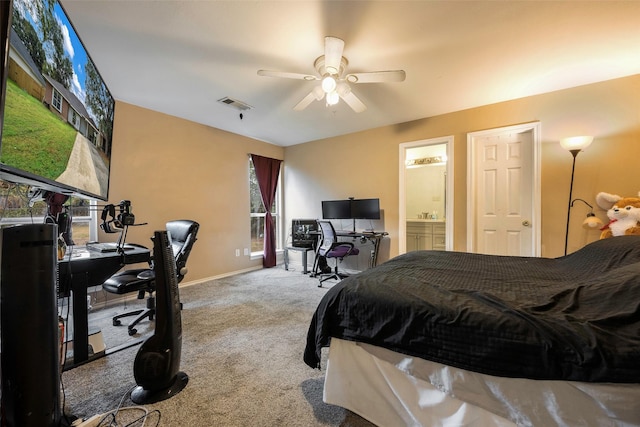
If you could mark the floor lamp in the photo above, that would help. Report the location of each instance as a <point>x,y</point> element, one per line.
<point>591,221</point>
<point>574,145</point>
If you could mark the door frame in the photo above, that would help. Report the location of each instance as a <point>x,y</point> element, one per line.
<point>402,209</point>
<point>534,129</point>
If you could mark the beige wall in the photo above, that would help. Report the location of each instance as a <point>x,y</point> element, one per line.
<point>172,168</point>
<point>365,164</point>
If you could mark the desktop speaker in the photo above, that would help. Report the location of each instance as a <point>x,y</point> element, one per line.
<point>29,326</point>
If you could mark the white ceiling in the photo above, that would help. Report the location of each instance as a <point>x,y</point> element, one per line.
<point>180,57</point>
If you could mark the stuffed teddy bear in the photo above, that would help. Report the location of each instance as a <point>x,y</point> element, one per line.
<point>623,214</point>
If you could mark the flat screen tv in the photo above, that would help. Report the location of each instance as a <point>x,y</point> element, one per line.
<point>336,209</point>
<point>56,112</point>
<point>365,209</point>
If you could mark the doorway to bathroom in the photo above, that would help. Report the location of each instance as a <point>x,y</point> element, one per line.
<point>426,195</point>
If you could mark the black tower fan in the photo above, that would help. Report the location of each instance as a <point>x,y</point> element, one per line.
<point>157,364</point>
<point>29,324</point>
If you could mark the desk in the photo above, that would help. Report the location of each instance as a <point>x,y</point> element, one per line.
<point>374,237</point>
<point>81,269</point>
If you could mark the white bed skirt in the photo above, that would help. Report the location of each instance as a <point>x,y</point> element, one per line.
<point>392,389</point>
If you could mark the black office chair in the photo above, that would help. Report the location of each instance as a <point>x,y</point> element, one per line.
<point>331,248</point>
<point>183,236</point>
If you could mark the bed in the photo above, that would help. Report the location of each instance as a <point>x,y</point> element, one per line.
<point>487,340</point>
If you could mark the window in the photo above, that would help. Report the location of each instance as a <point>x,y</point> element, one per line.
<point>257,214</point>
<point>57,100</point>
<point>75,118</point>
<point>17,207</point>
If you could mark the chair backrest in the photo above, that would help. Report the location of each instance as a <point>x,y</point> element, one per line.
<point>328,236</point>
<point>182,233</point>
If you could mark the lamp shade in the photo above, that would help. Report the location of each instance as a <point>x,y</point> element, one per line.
<point>576,142</point>
<point>333,98</point>
<point>592,221</point>
<point>328,84</point>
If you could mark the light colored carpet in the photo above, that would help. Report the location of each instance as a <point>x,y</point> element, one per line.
<point>242,345</point>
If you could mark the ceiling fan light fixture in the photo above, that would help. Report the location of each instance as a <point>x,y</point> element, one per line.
<point>332,98</point>
<point>331,70</point>
<point>334,83</point>
<point>329,83</point>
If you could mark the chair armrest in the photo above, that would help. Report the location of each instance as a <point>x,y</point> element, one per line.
<point>146,275</point>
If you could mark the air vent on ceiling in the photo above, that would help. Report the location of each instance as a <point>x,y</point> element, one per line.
<point>239,105</point>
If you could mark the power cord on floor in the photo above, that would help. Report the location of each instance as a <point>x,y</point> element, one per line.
<point>110,419</point>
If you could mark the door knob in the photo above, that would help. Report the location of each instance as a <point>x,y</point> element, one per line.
<point>526,223</point>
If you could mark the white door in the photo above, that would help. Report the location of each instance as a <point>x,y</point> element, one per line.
<point>504,191</point>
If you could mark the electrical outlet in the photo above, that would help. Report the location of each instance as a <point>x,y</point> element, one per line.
<point>246,251</point>
<point>237,252</point>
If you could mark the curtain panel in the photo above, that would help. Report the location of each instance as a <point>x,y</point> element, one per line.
<point>267,172</point>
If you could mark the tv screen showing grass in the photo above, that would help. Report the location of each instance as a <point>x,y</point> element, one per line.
<point>58,114</point>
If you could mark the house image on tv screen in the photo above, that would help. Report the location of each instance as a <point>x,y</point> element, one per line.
<point>58,115</point>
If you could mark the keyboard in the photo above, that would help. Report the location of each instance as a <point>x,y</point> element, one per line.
<point>105,247</point>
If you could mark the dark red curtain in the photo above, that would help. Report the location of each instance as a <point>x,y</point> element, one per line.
<point>267,171</point>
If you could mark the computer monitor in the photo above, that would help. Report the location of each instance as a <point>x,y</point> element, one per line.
<point>303,233</point>
<point>365,209</point>
<point>336,209</point>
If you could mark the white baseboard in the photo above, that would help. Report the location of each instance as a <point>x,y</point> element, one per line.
<point>115,299</point>
<point>220,276</point>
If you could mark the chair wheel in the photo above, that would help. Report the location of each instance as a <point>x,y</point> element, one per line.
<point>132,332</point>
<point>117,322</point>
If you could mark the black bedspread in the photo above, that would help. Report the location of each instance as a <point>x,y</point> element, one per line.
<point>575,317</point>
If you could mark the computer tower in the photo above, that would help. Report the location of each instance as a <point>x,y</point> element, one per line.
<point>29,326</point>
<point>304,233</point>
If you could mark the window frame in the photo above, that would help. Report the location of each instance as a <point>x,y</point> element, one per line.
<point>56,100</point>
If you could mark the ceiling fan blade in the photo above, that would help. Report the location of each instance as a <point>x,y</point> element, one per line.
<point>333,48</point>
<point>305,102</point>
<point>377,77</point>
<point>354,102</point>
<point>350,98</point>
<point>315,95</point>
<point>286,75</point>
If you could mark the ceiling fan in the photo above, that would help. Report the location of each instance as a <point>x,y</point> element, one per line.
<point>334,85</point>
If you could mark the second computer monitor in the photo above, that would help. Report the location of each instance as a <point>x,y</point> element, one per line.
<point>365,209</point>
<point>351,209</point>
